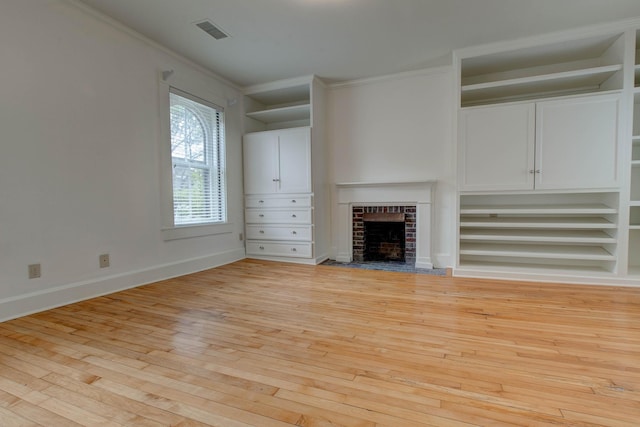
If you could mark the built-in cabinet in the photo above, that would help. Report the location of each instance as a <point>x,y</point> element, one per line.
<point>286,200</point>
<point>542,152</point>
<point>541,145</point>
<point>278,161</point>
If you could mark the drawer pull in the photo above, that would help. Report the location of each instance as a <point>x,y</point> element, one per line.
<point>261,248</point>
<point>261,231</point>
<point>294,250</point>
<point>294,232</point>
<point>294,216</point>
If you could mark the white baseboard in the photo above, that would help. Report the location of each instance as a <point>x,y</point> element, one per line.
<point>424,262</point>
<point>34,302</point>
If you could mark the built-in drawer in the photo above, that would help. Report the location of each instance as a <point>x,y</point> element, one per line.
<point>262,232</point>
<point>291,201</point>
<point>278,216</point>
<point>297,250</point>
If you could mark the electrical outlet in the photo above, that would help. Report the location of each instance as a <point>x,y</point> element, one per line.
<point>34,271</point>
<point>104,260</point>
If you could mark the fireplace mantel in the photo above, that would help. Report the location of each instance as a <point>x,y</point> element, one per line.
<point>411,193</point>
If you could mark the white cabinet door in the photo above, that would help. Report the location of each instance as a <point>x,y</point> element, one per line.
<point>577,143</point>
<point>497,147</point>
<point>277,161</point>
<point>295,161</point>
<point>260,162</point>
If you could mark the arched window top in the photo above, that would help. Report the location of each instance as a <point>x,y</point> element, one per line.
<point>188,134</point>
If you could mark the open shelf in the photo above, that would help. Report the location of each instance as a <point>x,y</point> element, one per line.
<point>634,251</point>
<point>561,222</point>
<point>552,209</point>
<point>537,236</point>
<point>635,148</point>
<point>561,83</point>
<point>558,252</point>
<point>635,184</point>
<point>593,64</point>
<point>282,114</point>
<point>634,215</point>
<point>534,266</point>
<point>568,231</point>
<point>278,105</point>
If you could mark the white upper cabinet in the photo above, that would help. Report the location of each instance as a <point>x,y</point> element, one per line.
<point>295,161</point>
<point>563,144</point>
<point>261,162</point>
<point>497,147</point>
<point>277,161</point>
<point>577,143</point>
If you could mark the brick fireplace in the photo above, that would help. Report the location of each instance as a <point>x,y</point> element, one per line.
<point>384,233</point>
<point>414,198</point>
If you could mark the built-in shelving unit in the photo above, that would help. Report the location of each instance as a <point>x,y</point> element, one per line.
<point>278,105</point>
<point>633,267</point>
<point>539,232</point>
<point>572,67</point>
<point>287,207</point>
<point>548,133</point>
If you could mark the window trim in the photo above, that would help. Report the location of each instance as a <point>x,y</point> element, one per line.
<point>197,93</point>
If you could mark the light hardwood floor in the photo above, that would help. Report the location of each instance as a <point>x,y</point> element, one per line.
<point>270,344</point>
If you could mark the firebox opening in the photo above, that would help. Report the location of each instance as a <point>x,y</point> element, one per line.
<point>384,241</point>
<point>384,234</point>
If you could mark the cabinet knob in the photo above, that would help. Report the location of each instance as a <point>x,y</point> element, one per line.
<point>276,180</point>
<point>294,216</point>
<point>293,201</point>
<point>260,201</point>
<point>261,248</point>
<point>261,231</point>
<point>261,215</point>
<point>532,171</point>
<point>294,250</point>
<point>294,232</point>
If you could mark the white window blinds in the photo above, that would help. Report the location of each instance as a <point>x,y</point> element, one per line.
<point>197,155</point>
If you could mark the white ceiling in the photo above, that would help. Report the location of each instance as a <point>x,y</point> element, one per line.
<point>342,40</point>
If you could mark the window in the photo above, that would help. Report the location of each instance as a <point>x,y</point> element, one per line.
<point>197,160</point>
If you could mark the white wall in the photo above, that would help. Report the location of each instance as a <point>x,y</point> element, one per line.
<point>398,128</point>
<point>79,160</point>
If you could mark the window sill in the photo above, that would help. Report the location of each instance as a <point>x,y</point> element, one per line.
<point>200,230</point>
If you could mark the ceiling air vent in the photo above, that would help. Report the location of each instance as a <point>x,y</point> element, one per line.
<point>211,29</point>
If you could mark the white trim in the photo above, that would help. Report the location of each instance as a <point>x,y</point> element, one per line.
<point>176,82</point>
<point>305,261</point>
<point>199,230</point>
<point>34,302</point>
<point>409,193</point>
<point>404,75</point>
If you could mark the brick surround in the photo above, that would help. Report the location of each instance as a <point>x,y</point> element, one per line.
<point>409,227</point>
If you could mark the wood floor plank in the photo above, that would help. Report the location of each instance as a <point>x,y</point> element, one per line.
<point>259,343</point>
